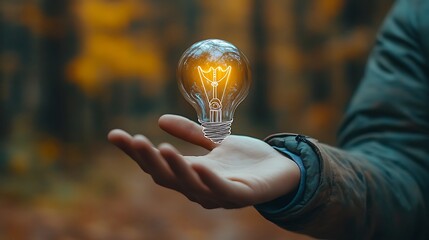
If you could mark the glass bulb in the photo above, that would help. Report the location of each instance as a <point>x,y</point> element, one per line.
<point>214,77</point>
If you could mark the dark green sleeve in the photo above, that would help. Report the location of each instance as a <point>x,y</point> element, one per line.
<point>376,184</point>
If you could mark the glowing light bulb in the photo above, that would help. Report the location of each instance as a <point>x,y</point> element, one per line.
<point>214,77</point>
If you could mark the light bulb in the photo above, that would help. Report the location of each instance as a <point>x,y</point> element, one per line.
<point>214,77</point>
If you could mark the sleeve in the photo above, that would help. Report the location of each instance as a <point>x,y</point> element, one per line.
<point>376,184</point>
<point>287,201</point>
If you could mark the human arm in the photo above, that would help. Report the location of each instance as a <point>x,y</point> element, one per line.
<point>377,185</point>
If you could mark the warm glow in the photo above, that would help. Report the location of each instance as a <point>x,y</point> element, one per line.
<point>214,77</point>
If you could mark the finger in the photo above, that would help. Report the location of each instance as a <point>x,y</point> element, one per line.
<point>122,140</point>
<point>210,205</point>
<point>152,162</point>
<point>185,129</point>
<point>185,175</point>
<point>235,194</point>
<point>190,183</point>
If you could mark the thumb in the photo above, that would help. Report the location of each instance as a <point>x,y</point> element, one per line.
<point>185,129</point>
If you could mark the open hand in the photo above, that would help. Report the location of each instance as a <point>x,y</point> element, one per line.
<point>239,172</point>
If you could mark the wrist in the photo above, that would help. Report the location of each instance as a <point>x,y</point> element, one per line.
<point>294,186</point>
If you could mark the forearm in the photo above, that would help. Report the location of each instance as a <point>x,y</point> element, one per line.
<point>349,194</point>
<point>376,185</point>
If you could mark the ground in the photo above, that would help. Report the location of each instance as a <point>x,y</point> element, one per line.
<point>114,199</point>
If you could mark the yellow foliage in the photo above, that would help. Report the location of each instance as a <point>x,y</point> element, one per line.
<point>83,72</point>
<point>114,15</point>
<point>108,52</point>
<point>106,57</point>
<point>123,56</point>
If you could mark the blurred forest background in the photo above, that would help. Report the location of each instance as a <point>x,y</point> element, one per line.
<point>72,70</point>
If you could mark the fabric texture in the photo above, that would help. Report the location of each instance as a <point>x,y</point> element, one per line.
<point>375,184</point>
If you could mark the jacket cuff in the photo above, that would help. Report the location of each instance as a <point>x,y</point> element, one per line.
<point>280,210</point>
<point>289,200</point>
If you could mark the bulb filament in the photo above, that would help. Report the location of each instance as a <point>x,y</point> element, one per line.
<point>211,77</point>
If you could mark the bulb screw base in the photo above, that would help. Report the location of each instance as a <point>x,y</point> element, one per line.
<point>216,131</point>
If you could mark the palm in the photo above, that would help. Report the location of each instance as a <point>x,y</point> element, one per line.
<point>239,172</point>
